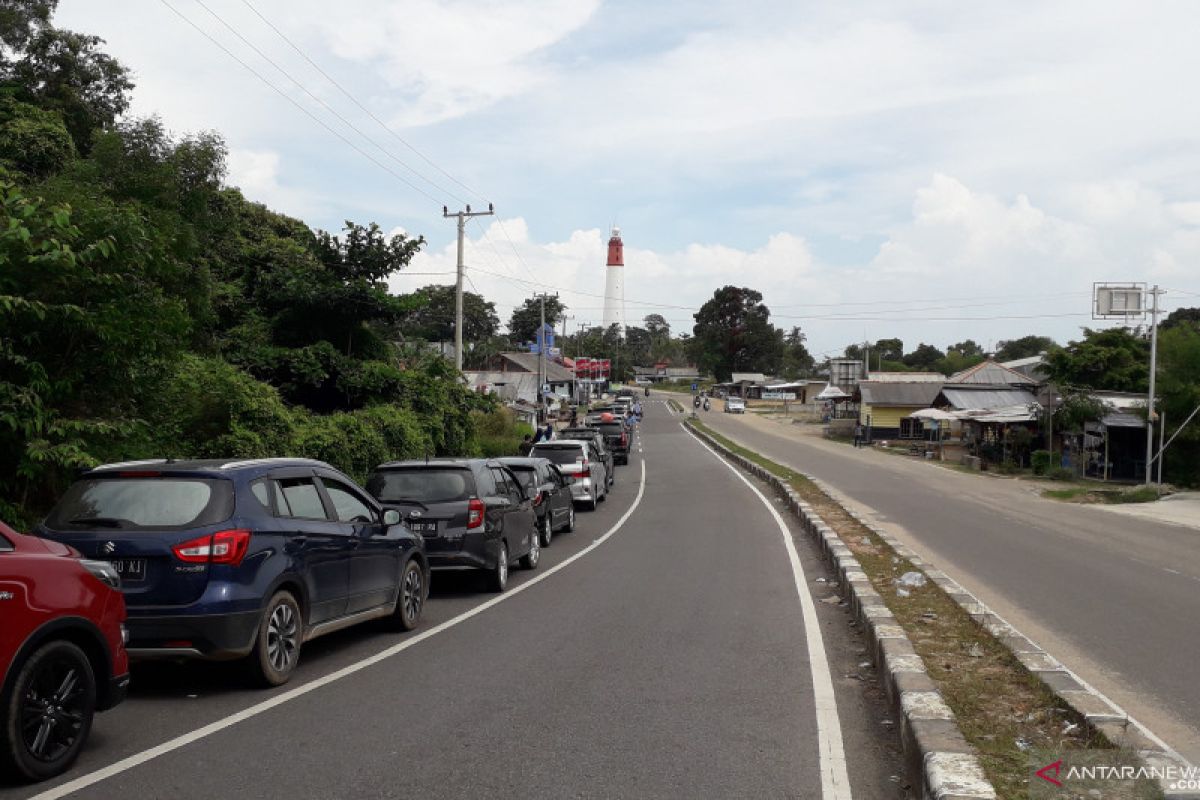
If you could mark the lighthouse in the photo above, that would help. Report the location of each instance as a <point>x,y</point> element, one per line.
<point>614,283</point>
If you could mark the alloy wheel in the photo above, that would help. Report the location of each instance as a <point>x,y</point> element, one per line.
<point>282,637</point>
<point>54,709</point>
<point>414,593</point>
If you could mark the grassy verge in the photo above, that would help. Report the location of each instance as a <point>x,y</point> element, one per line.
<point>675,405</point>
<point>1091,495</point>
<point>1003,710</point>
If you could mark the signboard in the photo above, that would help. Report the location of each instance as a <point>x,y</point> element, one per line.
<point>778,395</point>
<point>1122,301</point>
<point>695,386</point>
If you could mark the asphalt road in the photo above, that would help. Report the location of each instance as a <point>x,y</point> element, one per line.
<point>1115,598</point>
<point>666,660</point>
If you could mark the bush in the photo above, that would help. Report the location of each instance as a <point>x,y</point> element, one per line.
<point>1040,461</point>
<point>498,433</point>
<point>1060,474</point>
<point>401,429</point>
<point>343,440</point>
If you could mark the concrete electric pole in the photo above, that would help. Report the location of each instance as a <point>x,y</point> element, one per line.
<point>1151,416</point>
<point>458,285</point>
<point>541,340</point>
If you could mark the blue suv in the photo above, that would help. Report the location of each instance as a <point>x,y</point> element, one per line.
<point>227,559</point>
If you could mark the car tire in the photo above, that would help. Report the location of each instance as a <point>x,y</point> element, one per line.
<point>59,679</point>
<point>570,526</point>
<point>277,646</point>
<point>414,590</point>
<point>530,560</point>
<point>498,576</point>
<point>547,532</point>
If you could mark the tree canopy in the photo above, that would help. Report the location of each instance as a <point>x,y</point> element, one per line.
<point>733,333</point>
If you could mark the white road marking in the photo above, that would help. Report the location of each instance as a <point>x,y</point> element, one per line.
<point>126,764</point>
<point>835,781</point>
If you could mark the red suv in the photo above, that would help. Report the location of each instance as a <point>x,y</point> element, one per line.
<point>62,652</point>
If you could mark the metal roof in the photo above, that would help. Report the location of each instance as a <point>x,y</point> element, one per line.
<point>989,372</point>
<point>898,394</point>
<point>752,377</point>
<point>1118,419</point>
<point>528,362</point>
<point>962,397</point>
<point>906,377</point>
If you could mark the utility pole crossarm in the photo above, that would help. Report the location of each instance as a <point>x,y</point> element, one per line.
<point>458,283</point>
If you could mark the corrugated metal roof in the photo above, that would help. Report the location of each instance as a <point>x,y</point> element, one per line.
<point>906,377</point>
<point>989,372</point>
<point>1119,419</point>
<point>898,394</point>
<point>989,397</point>
<point>555,373</point>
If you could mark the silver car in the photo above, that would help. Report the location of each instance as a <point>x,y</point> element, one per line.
<point>579,460</point>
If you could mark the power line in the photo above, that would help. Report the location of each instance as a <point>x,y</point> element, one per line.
<point>356,102</point>
<point>318,100</point>
<point>292,100</point>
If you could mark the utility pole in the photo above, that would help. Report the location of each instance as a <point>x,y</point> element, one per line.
<point>1151,417</point>
<point>458,285</point>
<point>541,340</point>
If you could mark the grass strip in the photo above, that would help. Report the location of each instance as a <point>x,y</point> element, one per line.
<point>1002,709</point>
<point>1087,494</point>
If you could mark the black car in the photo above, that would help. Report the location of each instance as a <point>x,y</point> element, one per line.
<point>222,559</point>
<point>551,493</point>
<point>590,434</point>
<point>471,513</point>
<point>616,437</point>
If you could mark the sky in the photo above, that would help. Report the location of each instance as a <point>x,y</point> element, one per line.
<point>932,170</point>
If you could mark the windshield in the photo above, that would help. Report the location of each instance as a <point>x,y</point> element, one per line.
<point>422,484</point>
<point>559,454</point>
<point>143,503</point>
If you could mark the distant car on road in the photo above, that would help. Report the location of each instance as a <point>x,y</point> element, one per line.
<point>735,405</point>
<point>472,513</point>
<point>62,652</point>
<point>581,461</point>
<point>225,559</point>
<point>550,491</point>
<point>616,438</point>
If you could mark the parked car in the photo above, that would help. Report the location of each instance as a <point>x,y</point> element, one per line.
<point>735,405</point>
<point>225,559</point>
<point>588,433</point>
<point>581,461</point>
<point>616,438</point>
<point>472,513</point>
<point>62,652</point>
<point>550,492</point>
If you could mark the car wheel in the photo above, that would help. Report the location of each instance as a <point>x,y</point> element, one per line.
<point>413,592</point>
<point>570,526</point>
<point>594,504</point>
<point>48,711</point>
<point>547,529</point>
<point>530,560</point>
<point>498,577</point>
<point>277,648</point>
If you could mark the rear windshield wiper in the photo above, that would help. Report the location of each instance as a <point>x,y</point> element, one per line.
<point>103,522</point>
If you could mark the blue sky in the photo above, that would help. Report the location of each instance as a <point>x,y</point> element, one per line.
<point>934,170</point>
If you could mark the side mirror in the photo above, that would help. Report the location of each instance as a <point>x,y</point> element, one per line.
<point>391,517</point>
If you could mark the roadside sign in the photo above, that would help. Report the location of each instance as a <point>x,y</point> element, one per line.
<point>695,386</point>
<point>778,395</point>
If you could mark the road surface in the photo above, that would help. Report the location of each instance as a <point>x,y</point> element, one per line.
<point>668,660</point>
<point>1115,598</point>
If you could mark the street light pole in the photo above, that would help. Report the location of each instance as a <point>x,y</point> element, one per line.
<point>1151,417</point>
<point>458,283</point>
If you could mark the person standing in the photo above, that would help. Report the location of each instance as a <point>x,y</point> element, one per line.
<point>548,434</point>
<point>858,434</point>
<point>526,445</point>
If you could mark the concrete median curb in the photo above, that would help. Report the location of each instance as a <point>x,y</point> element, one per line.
<point>938,758</point>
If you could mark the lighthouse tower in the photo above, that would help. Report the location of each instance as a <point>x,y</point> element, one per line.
<point>614,283</point>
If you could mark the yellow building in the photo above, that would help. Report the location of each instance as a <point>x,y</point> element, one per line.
<point>884,407</point>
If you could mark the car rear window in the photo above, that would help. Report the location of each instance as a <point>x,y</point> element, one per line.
<point>143,503</point>
<point>610,427</point>
<point>526,475</point>
<point>423,484</point>
<point>558,454</point>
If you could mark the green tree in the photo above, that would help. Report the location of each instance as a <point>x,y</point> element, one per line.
<point>1025,347</point>
<point>523,324</point>
<point>1181,316</point>
<point>967,348</point>
<point>657,325</point>
<point>888,350</point>
<point>733,333</point>
<point>925,357</point>
<point>1178,386</point>
<point>432,316</point>
<point>1114,359</point>
<point>797,361</point>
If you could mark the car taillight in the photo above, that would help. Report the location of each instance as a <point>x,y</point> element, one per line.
<point>537,499</point>
<point>624,440</point>
<point>474,513</point>
<point>224,547</point>
<point>583,472</point>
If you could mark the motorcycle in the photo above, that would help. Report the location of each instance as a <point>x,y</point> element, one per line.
<point>706,404</point>
<point>696,401</point>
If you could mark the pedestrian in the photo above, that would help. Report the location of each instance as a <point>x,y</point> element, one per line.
<point>858,434</point>
<point>538,433</point>
<point>548,434</point>
<point>574,415</point>
<point>526,446</point>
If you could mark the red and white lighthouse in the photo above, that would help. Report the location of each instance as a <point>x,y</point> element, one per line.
<point>614,283</point>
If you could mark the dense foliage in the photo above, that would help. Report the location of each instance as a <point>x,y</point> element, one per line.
<point>146,309</point>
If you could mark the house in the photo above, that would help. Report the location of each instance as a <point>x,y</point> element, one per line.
<point>1031,367</point>
<point>514,376</point>
<point>884,407</point>
<point>992,373</point>
<point>661,372</point>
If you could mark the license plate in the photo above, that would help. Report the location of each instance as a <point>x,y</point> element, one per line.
<point>424,528</point>
<point>130,569</point>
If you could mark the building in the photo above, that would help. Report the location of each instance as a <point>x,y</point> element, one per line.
<point>514,376</point>
<point>614,283</point>
<point>992,373</point>
<point>884,407</point>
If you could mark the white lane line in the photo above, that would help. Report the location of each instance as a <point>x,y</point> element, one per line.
<point>125,764</point>
<point>835,781</point>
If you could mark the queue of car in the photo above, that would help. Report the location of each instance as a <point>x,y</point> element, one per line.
<point>247,560</point>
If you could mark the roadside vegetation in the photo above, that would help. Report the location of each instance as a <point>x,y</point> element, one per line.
<point>1003,710</point>
<point>1093,495</point>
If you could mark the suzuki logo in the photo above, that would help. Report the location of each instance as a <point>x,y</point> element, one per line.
<point>109,548</point>
<point>414,515</point>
